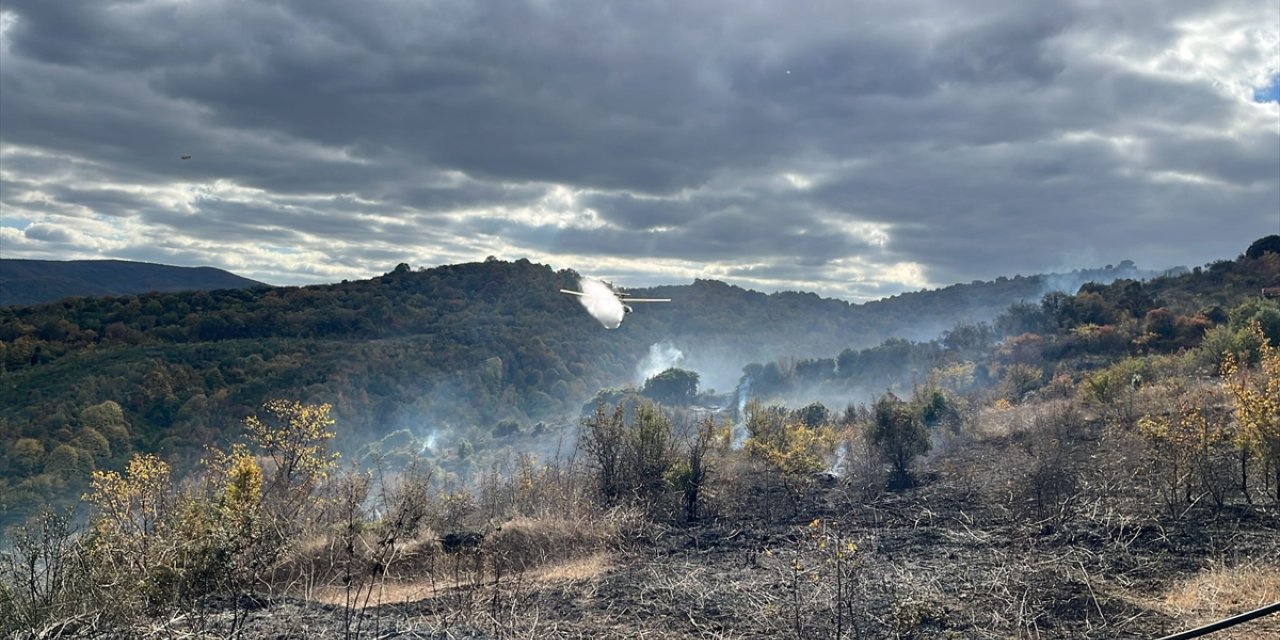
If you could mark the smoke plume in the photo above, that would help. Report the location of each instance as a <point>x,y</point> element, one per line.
<point>740,425</point>
<point>600,301</point>
<point>661,356</point>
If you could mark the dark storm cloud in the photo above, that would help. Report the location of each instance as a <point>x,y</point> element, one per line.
<point>853,147</point>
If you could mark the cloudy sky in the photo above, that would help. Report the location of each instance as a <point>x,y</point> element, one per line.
<point>852,148</point>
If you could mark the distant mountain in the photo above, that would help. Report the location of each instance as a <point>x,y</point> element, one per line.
<point>25,282</point>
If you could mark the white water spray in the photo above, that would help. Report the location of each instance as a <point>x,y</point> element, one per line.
<point>599,300</point>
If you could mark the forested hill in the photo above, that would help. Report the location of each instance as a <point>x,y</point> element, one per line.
<point>26,282</point>
<point>467,344</point>
<point>454,305</point>
<point>459,355</point>
<point>470,343</point>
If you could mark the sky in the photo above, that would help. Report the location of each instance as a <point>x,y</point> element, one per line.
<point>854,149</point>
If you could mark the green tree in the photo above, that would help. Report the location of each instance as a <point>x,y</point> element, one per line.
<point>673,387</point>
<point>650,452</point>
<point>28,455</point>
<point>90,440</point>
<point>632,459</point>
<point>898,435</point>
<point>68,462</point>
<point>107,418</point>
<point>935,407</point>
<point>1266,313</point>
<point>814,415</point>
<point>1263,245</point>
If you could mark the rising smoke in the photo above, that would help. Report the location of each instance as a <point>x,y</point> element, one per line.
<point>740,425</point>
<point>428,443</point>
<point>661,356</point>
<point>600,301</point>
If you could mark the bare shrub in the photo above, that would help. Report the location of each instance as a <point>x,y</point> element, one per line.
<point>860,465</point>
<point>691,471</point>
<point>38,575</point>
<point>630,459</point>
<point>818,590</point>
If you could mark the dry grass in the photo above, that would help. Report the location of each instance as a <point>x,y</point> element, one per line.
<point>525,543</point>
<point>1005,420</point>
<point>392,592</point>
<point>1225,590</point>
<point>1221,592</point>
<point>592,566</point>
<point>412,590</point>
<point>525,549</point>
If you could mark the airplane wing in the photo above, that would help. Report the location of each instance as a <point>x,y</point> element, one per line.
<point>573,293</point>
<point>646,299</point>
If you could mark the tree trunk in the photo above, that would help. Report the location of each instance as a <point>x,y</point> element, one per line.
<point>1276,470</point>
<point>1244,475</point>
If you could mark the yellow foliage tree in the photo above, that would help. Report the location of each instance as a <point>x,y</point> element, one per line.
<point>237,483</point>
<point>1185,446</point>
<point>797,449</point>
<point>129,512</point>
<point>790,447</point>
<point>1256,402</point>
<point>295,437</point>
<point>134,501</point>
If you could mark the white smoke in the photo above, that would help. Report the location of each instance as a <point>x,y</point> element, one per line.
<point>661,356</point>
<point>428,443</point>
<point>740,425</point>
<point>600,301</point>
<point>837,468</point>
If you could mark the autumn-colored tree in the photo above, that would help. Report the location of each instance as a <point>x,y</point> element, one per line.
<point>1188,448</point>
<point>788,446</point>
<point>129,516</point>
<point>1256,403</point>
<point>295,437</point>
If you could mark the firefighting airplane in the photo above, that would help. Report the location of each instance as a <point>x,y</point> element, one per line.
<point>606,304</point>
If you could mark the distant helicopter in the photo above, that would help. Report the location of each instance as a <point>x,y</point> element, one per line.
<point>606,304</point>
<point>186,157</point>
